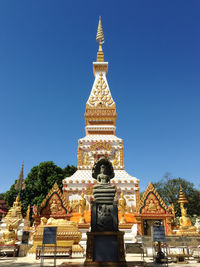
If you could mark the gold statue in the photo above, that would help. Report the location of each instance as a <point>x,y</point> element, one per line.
<point>60,222</point>
<point>82,204</point>
<point>43,221</point>
<point>122,208</point>
<point>115,160</point>
<point>9,236</point>
<point>28,213</point>
<point>185,223</point>
<point>27,221</point>
<point>74,204</point>
<point>14,214</point>
<point>152,206</point>
<point>54,207</point>
<point>184,220</point>
<point>86,159</point>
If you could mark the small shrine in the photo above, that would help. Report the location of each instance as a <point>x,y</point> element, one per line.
<point>152,208</point>
<point>10,226</point>
<point>185,226</point>
<point>55,211</point>
<point>54,205</point>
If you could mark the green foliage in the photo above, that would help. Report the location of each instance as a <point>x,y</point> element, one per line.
<point>39,181</point>
<point>69,170</point>
<point>169,189</point>
<point>2,196</point>
<point>10,195</point>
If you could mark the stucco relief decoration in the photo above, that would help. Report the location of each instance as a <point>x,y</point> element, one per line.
<point>54,206</point>
<point>152,205</point>
<point>87,159</point>
<point>116,158</point>
<point>100,94</point>
<point>100,145</point>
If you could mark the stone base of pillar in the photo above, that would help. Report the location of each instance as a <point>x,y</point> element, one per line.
<point>105,249</point>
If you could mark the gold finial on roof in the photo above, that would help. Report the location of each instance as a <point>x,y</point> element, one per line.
<point>100,40</point>
<point>182,198</point>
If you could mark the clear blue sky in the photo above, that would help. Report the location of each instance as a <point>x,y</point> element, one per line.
<point>46,53</point>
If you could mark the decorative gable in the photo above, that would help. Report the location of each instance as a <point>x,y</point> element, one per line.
<point>151,202</point>
<point>54,204</point>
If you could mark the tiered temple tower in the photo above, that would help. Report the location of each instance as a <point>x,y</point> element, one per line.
<point>100,140</point>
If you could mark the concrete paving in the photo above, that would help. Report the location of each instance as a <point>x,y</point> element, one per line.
<point>30,261</point>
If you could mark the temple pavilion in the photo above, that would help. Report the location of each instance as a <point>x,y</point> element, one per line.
<point>100,140</point>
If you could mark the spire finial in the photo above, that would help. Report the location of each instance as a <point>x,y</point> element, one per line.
<point>20,183</point>
<point>100,40</point>
<point>182,198</point>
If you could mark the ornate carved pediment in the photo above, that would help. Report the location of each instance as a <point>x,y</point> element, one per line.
<point>152,203</point>
<point>54,204</point>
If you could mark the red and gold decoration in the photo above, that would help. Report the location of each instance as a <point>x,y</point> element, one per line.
<point>151,208</point>
<point>55,211</point>
<point>54,205</point>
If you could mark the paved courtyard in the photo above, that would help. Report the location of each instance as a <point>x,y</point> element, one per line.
<point>30,261</point>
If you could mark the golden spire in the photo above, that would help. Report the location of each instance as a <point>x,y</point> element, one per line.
<point>100,40</point>
<point>182,198</point>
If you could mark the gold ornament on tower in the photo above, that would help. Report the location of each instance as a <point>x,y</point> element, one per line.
<point>82,204</point>
<point>186,227</point>
<point>122,207</point>
<point>100,40</point>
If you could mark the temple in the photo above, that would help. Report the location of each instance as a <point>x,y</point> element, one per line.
<point>100,140</point>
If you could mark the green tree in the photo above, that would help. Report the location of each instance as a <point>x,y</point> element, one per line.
<point>169,189</point>
<point>39,181</point>
<point>10,195</point>
<point>2,196</point>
